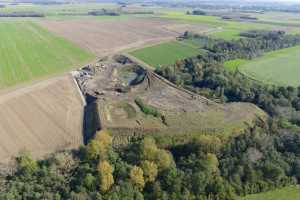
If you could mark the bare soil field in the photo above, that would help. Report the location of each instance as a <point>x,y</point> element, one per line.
<point>104,37</point>
<point>43,118</point>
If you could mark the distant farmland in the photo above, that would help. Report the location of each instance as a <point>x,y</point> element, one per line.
<point>288,193</point>
<point>166,53</point>
<point>29,51</point>
<point>104,37</point>
<point>226,29</point>
<point>278,67</point>
<point>59,10</point>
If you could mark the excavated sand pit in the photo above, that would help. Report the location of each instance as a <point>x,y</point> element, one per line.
<point>180,112</point>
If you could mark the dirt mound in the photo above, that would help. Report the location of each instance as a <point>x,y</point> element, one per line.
<point>41,119</point>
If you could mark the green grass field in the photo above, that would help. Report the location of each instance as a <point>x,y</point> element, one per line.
<point>166,53</point>
<point>56,9</point>
<point>69,11</point>
<point>286,18</point>
<point>232,65</point>
<point>288,193</point>
<point>278,67</point>
<point>29,51</point>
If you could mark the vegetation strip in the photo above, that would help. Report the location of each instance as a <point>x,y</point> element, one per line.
<point>147,109</point>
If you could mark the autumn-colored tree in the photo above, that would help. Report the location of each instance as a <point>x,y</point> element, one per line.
<point>208,143</point>
<point>105,171</point>
<point>98,147</point>
<point>148,149</point>
<point>163,159</point>
<point>104,137</point>
<point>212,162</point>
<point>96,150</point>
<point>137,177</point>
<point>150,170</point>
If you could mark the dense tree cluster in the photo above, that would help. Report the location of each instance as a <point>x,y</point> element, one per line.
<point>254,43</point>
<point>22,14</point>
<point>196,12</point>
<point>262,158</point>
<point>104,12</point>
<point>206,75</point>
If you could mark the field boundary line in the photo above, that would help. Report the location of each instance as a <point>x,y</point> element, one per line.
<point>138,61</point>
<point>149,43</point>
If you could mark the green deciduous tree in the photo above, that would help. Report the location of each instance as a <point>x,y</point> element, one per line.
<point>26,164</point>
<point>150,170</point>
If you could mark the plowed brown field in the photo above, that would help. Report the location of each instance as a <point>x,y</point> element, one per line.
<point>42,118</point>
<point>109,36</point>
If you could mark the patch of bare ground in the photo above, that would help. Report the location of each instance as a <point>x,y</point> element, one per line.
<point>43,118</point>
<point>103,37</point>
<point>181,112</point>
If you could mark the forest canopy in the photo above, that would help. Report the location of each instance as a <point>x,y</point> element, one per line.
<point>260,159</point>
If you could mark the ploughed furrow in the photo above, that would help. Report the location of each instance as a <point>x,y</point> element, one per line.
<point>43,118</point>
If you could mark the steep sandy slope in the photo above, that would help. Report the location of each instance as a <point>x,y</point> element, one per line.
<point>43,118</point>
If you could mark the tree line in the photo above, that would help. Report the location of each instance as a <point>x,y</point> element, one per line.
<point>22,14</point>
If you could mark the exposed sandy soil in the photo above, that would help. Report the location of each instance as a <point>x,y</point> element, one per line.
<point>42,118</point>
<point>104,37</point>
